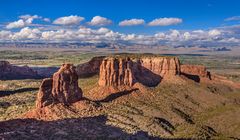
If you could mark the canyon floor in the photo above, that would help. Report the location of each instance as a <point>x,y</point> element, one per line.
<point>175,110</point>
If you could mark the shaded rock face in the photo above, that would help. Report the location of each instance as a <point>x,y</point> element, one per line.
<point>89,68</point>
<point>44,97</point>
<point>195,72</point>
<point>10,72</point>
<point>148,71</point>
<point>62,88</point>
<point>116,72</point>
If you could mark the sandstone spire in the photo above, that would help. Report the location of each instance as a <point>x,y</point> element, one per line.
<point>62,88</point>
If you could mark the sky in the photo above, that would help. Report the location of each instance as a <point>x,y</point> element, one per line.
<point>137,21</point>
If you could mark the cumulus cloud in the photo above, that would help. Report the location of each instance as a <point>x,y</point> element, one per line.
<point>16,24</point>
<point>100,21</point>
<point>5,35</point>
<point>68,20</point>
<point>165,21</point>
<point>131,22</point>
<point>27,33</point>
<point>214,32</point>
<point>46,19</point>
<point>50,32</point>
<point>234,18</point>
<point>25,20</point>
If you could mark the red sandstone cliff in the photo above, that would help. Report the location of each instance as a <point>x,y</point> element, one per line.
<point>62,88</point>
<point>89,68</point>
<point>116,71</point>
<point>195,72</point>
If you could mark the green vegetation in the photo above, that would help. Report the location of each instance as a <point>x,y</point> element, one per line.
<point>45,58</point>
<point>192,110</point>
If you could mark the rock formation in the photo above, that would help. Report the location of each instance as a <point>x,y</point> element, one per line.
<point>117,71</point>
<point>195,72</point>
<point>44,97</point>
<point>62,88</point>
<point>10,72</point>
<point>89,68</point>
<point>161,66</point>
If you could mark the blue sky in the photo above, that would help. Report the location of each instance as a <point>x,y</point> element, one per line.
<point>196,14</point>
<point>181,15</point>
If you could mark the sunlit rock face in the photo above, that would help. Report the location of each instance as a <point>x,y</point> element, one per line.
<point>195,72</point>
<point>62,88</point>
<point>117,71</point>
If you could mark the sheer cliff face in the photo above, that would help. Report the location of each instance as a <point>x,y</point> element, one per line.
<point>126,71</point>
<point>161,66</point>
<point>62,88</point>
<point>198,70</point>
<point>116,72</point>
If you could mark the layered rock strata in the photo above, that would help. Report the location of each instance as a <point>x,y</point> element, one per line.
<point>117,71</point>
<point>62,88</point>
<point>197,71</point>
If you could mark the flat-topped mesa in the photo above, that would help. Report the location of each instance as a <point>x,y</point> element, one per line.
<point>162,66</point>
<point>11,72</point>
<point>116,72</point>
<point>90,68</point>
<point>62,88</point>
<point>195,72</point>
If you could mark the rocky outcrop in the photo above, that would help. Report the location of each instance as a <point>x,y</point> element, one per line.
<point>161,66</point>
<point>44,97</point>
<point>117,71</point>
<point>195,72</point>
<point>10,72</point>
<point>62,88</point>
<point>89,68</point>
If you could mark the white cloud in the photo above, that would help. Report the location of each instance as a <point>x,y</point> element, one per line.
<point>46,19</point>
<point>165,21</point>
<point>132,22</point>
<point>25,20</point>
<point>100,21</point>
<point>5,34</point>
<point>160,35</point>
<point>68,20</point>
<point>27,33</point>
<point>234,18</point>
<point>214,33</point>
<point>186,35</point>
<point>16,24</point>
